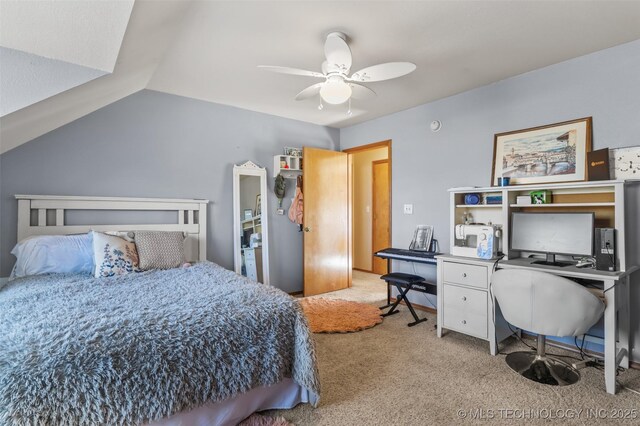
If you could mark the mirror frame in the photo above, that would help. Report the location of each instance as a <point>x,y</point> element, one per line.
<point>250,169</point>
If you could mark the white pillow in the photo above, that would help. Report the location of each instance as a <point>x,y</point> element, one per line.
<point>53,254</point>
<point>113,255</point>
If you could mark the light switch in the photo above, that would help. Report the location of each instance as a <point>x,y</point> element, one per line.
<point>408,209</point>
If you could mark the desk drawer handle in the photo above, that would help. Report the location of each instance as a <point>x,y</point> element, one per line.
<point>464,298</point>
<point>464,275</point>
<point>464,321</point>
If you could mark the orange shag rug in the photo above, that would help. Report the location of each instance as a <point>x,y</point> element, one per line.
<point>339,316</point>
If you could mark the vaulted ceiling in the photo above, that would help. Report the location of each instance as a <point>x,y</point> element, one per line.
<point>210,50</point>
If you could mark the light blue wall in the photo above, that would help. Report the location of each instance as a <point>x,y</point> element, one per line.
<point>604,85</point>
<point>158,145</point>
<point>152,144</point>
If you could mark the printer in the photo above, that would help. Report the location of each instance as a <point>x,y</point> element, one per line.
<point>478,240</point>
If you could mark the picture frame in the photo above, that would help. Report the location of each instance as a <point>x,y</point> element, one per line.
<point>545,154</point>
<point>624,163</point>
<point>258,204</point>
<point>422,238</point>
<point>248,214</point>
<point>294,152</point>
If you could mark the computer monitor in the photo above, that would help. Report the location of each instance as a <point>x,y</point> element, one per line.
<point>553,233</point>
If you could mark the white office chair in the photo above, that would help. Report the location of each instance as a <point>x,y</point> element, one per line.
<point>548,305</point>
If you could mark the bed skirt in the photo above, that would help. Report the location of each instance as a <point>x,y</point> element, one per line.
<point>284,395</point>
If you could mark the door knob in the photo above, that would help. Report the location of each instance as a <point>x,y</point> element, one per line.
<point>307,229</point>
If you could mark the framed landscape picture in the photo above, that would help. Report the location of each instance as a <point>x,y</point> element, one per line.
<point>546,154</point>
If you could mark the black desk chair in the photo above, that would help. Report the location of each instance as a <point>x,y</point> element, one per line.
<point>405,282</point>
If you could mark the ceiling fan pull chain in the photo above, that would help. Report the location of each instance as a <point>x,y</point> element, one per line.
<point>349,113</point>
<point>320,106</point>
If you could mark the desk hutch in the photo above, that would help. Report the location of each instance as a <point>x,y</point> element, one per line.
<point>465,302</point>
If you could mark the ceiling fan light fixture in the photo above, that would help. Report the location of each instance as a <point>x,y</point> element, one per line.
<point>338,87</point>
<point>335,91</point>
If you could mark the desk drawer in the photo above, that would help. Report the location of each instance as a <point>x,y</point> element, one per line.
<point>460,273</point>
<point>250,255</point>
<point>465,310</point>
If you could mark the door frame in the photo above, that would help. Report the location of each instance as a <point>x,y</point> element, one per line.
<point>373,204</point>
<point>386,143</point>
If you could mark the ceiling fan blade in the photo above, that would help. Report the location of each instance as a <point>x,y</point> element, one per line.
<point>383,72</point>
<point>361,92</point>
<point>309,92</point>
<point>337,52</point>
<point>325,68</point>
<point>293,71</point>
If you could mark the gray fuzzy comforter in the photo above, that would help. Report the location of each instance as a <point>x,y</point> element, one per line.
<point>135,348</point>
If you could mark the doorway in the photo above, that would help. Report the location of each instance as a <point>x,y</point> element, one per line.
<point>330,219</point>
<point>370,205</point>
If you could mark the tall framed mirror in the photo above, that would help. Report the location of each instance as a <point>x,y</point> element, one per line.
<point>250,222</point>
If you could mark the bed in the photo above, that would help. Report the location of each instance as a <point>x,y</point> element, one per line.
<point>185,346</point>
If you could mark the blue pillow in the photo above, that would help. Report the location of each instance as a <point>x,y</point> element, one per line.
<point>54,254</point>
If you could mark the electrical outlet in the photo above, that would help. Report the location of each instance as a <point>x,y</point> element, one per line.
<point>280,211</point>
<point>408,209</point>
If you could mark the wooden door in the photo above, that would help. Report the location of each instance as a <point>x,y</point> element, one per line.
<point>327,236</point>
<point>380,237</point>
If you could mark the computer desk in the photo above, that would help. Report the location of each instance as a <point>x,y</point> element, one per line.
<point>617,315</point>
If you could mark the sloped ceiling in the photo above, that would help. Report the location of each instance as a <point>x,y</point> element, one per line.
<point>48,47</point>
<point>210,49</point>
<point>86,33</point>
<point>150,30</point>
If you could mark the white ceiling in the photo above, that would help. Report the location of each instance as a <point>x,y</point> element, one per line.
<point>152,26</point>
<point>457,46</point>
<point>210,50</point>
<point>87,33</point>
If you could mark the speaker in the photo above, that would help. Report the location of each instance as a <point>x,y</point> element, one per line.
<point>605,249</point>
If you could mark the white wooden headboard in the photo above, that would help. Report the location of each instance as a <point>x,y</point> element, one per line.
<point>45,215</point>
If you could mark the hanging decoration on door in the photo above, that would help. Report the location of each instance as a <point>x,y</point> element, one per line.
<point>296,209</point>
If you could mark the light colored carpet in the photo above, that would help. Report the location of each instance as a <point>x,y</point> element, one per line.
<point>365,287</point>
<point>399,375</point>
<point>339,316</point>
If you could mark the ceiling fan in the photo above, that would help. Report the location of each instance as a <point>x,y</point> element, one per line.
<point>338,87</point>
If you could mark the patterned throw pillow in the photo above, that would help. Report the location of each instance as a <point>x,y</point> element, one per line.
<point>113,255</point>
<point>160,250</point>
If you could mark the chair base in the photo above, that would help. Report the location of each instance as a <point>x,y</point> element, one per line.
<point>543,369</point>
